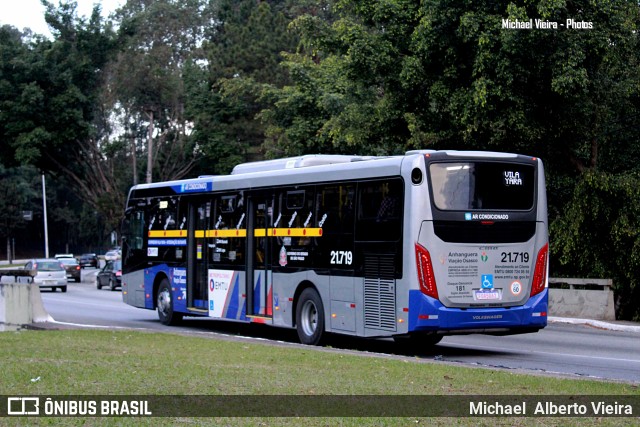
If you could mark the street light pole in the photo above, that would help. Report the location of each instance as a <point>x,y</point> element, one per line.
<point>44,214</point>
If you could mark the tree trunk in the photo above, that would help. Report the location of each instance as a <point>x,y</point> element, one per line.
<point>150,149</point>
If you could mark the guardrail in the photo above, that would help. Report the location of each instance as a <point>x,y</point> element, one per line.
<point>581,298</point>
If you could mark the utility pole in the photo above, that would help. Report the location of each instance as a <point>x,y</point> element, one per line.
<point>44,215</point>
<point>150,148</point>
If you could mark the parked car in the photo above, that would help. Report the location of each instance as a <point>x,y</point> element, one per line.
<point>112,255</point>
<point>110,275</point>
<point>88,260</point>
<point>49,273</point>
<point>72,268</point>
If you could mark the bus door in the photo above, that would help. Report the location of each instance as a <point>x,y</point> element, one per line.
<point>200,214</point>
<point>258,279</point>
<point>218,254</point>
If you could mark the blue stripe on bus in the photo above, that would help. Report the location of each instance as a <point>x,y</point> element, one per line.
<point>243,311</point>
<point>256,295</point>
<point>192,187</point>
<point>421,307</point>
<point>232,309</point>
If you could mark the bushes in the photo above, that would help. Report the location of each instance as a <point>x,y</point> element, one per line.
<point>598,235</point>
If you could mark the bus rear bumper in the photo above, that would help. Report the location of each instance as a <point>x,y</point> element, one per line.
<point>429,315</point>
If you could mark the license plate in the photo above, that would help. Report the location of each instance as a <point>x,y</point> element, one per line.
<point>49,282</point>
<point>488,295</point>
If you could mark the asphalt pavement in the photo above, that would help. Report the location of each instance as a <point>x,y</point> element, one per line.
<point>611,325</point>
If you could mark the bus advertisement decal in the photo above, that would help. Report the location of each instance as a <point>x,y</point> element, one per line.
<point>220,282</point>
<point>282,258</point>
<point>193,187</point>
<point>179,283</point>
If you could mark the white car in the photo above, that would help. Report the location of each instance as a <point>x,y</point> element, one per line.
<point>112,255</point>
<point>50,273</point>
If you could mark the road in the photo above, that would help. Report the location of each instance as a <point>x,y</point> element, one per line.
<point>566,349</point>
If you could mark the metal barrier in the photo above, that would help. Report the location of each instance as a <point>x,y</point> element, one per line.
<point>581,298</point>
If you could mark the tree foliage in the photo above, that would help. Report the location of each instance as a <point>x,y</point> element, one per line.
<point>385,77</point>
<point>16,196</point>
<point>241,54</point>
<point>158,40</point>
<point>52,115</point>
<point>599,234</point>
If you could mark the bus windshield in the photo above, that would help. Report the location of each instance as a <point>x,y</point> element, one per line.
<point>482,185</point>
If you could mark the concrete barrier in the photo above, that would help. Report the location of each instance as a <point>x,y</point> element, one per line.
<point>581,298</point>
<point>20,300</point>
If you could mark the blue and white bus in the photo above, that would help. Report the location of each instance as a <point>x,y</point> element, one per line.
<point>414,247</point>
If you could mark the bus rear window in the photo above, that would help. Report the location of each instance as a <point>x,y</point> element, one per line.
<point>482,185</point>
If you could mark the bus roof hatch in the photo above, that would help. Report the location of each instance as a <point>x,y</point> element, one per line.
<point>297,162</point>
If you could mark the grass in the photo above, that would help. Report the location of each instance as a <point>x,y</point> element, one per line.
<point>6,264</point>
<point>87,362</point>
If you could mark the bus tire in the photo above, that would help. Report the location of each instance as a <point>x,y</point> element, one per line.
<point>310,317</point>
<point>164,302</point>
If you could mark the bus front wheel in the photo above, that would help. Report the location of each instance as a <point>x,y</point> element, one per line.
<point>164,303</point>
<point>310,317</point>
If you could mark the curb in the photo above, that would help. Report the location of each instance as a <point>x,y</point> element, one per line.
<point>622,327</point>
<point>598,324</point>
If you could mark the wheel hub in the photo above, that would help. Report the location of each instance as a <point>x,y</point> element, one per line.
<point>164,301</point>
<point>309,318</point>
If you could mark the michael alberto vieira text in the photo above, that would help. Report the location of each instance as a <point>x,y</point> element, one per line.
<point>551,408</point>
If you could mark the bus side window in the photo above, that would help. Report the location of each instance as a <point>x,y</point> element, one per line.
<point>335,209</point>
<point>164,217</point>
<point>379,215</point>
<point>293,210</point>
<point>230,214</point>
<point>335,216</point>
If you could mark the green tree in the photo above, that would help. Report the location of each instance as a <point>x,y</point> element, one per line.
<point>241,54</point>
<point>390,76</point>
<point>348,93</point>
<point>51,114</point>
<point>158,39</point>
<point>16,196</point>
<point>599,235</point>
<point>15,59</point>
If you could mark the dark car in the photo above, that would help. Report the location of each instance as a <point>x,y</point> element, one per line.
<point>110,275</point>
<point>88,260</point>
<point>72,268</point>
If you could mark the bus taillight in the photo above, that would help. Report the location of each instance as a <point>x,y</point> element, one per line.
<point>540,272</point>
<point>426,278</point>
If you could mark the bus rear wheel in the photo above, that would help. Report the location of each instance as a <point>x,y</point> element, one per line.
<point>310,317</point>
<point>164,303</point>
